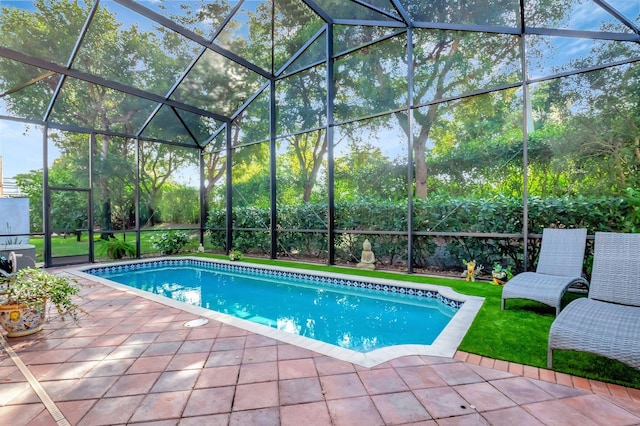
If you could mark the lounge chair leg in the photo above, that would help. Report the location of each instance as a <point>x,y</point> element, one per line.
<point>503,304</point>
<point>550,359</point>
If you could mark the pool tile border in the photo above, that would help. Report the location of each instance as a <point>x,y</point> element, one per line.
<point>296,275</point>
<point>445,345</point>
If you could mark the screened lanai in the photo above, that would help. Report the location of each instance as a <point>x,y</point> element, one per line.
<point>441,131</point>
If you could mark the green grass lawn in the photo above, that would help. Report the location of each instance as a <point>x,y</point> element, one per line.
<point>518,334</point>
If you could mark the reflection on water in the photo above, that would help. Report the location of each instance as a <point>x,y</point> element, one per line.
<point>353,318</point>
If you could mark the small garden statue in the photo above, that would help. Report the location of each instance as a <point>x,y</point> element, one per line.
<point>472,271</point>
<point>368,259</point>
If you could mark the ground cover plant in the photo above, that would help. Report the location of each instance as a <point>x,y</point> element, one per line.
<point>518,334</point>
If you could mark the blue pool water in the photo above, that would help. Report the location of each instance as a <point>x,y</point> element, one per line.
<point>354,315</point>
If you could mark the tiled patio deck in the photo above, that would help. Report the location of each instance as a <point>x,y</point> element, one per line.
<point>133,362</point>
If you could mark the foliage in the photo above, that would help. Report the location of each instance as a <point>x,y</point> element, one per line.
<point>30,286</point>
<point>235,255</point>
<point>115,248</point>
<point>499,214</point>
<point>501,274</point>
<point>170,242</point>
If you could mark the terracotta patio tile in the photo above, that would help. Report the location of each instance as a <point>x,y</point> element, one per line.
<point>209,401</point>
<point>531,372</point>
<point>163,348</point>
<point>228,343</point>
<point>402,407</point>
<point>300,391</point>
<point>442,402</point>
<point>110,340</point>
<point>626,403</point>
<point>619,391</point>
<point>127,351</point>
<point>187,361</point>
<point>382,381</point>
<point>547,375</point>
<point>286,351</point>
<point>469,419</point>
<point>20,414</point>
<point>556,412</point>
<point>460,356</point>
<point>212,420</point>
<point>510,417</point>
<point>258,372</point>
<point>231,331</point>
<point>133,384</point>
<point>161,406</point>
<point>196,346</point>
<point>110,367</point>
<point>259,354</point>
<point>29,396</point>
<point>354,411</point>
<point>420,377</point>
<point>173,335</point>
<point>263,417</point>
<point>71,370</point>
<point>342,386</point>
<point>218,376</point>
<point>490,373</point>
<point>54,356</point>
<point>209,332</point>
<point>296,368</point>
<point>93,354</point>
<point>109,411</point>
<point>8,391</point>
<point>457,373</point>
<point>407,361</point>
<point>599,387</point>
<point>312,414</point>
<point>564,379</point>
<point>473,359</point>
<point>89,388</point>
<point>501,365</point>
<point>73,411</point>
<point>634,393</point>
<point>256,395</point>
<point>176,381</point>
<point>257,340</point>
<point>582,383</point>
<point>521,390</point>
<point>149,364</point>
<point>221,358</point>
<point>559,391</point>
<point>487,362</point>
<point>327,366</point>
<point>141,338</point>
<point>483,396</point>
<point>601,410</point>
<point>76,342</point>
<point>126,328</point>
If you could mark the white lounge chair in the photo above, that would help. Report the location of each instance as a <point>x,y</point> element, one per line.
<point>559,267</point>
<point>606,323</point>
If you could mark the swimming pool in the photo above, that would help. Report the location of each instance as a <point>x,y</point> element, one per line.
<point>362,320</point>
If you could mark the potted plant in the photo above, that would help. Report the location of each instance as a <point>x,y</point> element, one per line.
<point>24,297</point>
<point>235,255</point>
<point>501,275</point>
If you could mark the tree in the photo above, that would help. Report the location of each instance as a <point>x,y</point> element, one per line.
<point>139,59</point>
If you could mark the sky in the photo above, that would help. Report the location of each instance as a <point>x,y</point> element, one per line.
<point>21,149</point>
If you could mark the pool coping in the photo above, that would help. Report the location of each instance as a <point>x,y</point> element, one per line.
<point>445,345</point>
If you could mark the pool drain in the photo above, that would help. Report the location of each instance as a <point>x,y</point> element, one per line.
<point>196,322</point>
